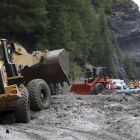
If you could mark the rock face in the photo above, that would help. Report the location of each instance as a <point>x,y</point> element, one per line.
<point>119,69</point>
<point>126,25</point>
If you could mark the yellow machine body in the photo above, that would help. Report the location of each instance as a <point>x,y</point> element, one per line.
<point>51,66</point>
<point>8,99</point>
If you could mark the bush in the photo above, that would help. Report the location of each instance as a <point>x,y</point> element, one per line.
<point>75,71</point>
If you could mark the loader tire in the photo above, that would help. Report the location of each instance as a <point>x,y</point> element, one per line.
<point>22,110</point>
<point>99,88</point>
<point>40,95</point>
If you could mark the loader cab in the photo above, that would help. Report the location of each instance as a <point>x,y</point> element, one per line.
<point>99,72</point>
<point>88,73</point>
<point>5,56</point>
<point>1,80</point>
<point>96,72</point>
<point>1,54</point>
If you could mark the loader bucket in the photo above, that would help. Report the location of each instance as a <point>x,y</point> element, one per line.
<point>53,68</point>
<point>57,63</point>
<point>81,89</point>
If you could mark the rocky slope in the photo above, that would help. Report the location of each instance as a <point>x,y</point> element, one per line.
<point>119,69</point>
<point>126,25</point>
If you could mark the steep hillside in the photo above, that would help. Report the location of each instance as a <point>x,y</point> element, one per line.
<point>126,25</point>
<point>81,27</point>
<point>119,68</point>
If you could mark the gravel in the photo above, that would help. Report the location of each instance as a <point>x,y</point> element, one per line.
<point>73,117</point>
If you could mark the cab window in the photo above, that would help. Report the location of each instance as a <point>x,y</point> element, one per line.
<point>1,54</point>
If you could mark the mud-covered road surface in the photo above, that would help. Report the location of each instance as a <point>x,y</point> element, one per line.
<point>73,117</point>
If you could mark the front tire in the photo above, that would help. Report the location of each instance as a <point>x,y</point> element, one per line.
<point>99,88</point>
<point>22,110</point>
<point>40,96</point>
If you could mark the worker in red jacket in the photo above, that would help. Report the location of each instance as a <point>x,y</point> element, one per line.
<point>135,84</point>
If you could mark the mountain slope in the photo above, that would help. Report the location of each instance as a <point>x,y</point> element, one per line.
<point>126,25</point>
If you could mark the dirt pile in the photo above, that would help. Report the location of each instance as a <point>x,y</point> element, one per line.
<point>73,117</point>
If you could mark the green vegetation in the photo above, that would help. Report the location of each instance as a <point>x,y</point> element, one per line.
<point>24,22</point>
<point>129,67</point>
<point>76,25</point>
<point>76,71</point>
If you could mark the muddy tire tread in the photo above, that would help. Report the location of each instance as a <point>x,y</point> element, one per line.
<point>31,86</point>
<point>22,109</point>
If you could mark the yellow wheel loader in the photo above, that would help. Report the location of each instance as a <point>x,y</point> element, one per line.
<point>13,94</point>
<point>39,71</point>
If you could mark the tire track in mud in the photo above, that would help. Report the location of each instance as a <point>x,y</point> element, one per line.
<point>66,132</point>
<point>32,133</point>
<point>28,131</point>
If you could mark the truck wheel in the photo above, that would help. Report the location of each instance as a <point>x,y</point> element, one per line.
<point>22,110</point>
<point>99,88</point>
<point>40,96</point>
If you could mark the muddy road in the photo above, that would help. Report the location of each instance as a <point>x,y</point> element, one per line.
<point>73,117</point>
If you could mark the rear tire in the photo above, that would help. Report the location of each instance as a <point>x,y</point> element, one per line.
<point>22,110</point>
<point>99,88</point>
<point>40,96</point>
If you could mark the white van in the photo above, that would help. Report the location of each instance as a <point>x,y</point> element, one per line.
<point>118,84</point>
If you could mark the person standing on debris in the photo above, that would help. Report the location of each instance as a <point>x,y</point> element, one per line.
<point>121,85</point>
<point>114,85</point>
<point>135,84</point>
<point>139,83</point>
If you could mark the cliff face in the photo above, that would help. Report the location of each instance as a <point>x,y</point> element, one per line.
<point>119,69</point>
<point>126,25</point>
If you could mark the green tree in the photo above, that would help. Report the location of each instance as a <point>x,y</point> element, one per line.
<point>102,49</point>
<point>74,35</point>
<point>115,44</point>
<point>78,36</point>
<point>59,34</point>
<point>129,67</point>
<point>24,22</point>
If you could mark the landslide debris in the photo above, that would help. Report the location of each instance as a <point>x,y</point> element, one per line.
<point>103,117</point>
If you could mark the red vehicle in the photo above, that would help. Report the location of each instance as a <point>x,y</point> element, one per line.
<point>109,84</point>
<point>95,84</point>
